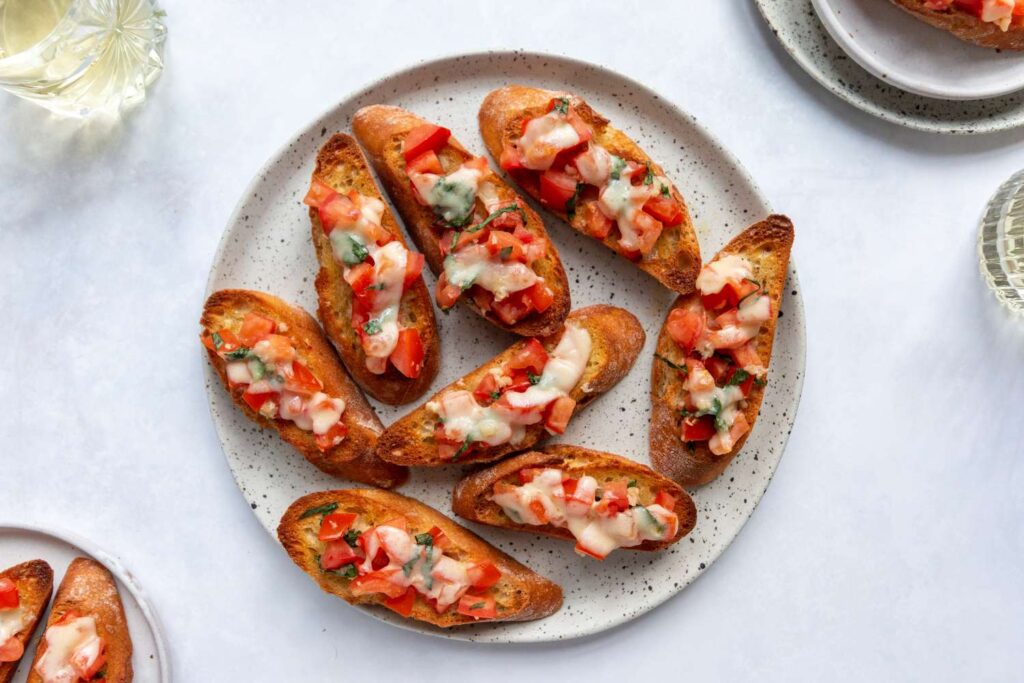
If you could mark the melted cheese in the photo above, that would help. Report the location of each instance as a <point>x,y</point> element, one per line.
<point>621,201</point>
<point>11,622</point>
<point>544,137</point>
<point>722,270</point>
<point>451,196</point>
<point>474,265</point>
<point>999,12</point>
<point>64,641</point>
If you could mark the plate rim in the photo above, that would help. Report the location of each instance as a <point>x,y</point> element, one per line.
<point>800,354</point>
<point>119,570</point>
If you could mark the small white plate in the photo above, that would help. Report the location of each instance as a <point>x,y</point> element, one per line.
<point>266,246</point>
<point>916,57</point>
<point>21,543</point>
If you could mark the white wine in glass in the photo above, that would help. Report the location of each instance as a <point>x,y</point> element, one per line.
<point>80,57</point>
<point>1001,243</point>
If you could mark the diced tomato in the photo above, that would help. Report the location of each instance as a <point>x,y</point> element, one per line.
<point>746,356</point>
<point>530,356</point>
<point>337,553</point>
<point>665,209</point>
<point>408,354</point>
<point>428,162</point>
<point>720,368</point>
<point>528,474</point>
<point>746,385</point>
<point>597,224</point>
<point>581,126</point>
<point>478,606</point>
<point>511,309</point>
<point>486,390</point>
<point>665,500</point>
<point>228,342</point>
<point>583,550</point>
<point>413,268</point>
<point>254,328</point>
<point>302,380</point>
<point>440,538</point>
<point>319,192</point>
<point>446,450</point>
<point>685,326</point>
<point>447,294</point>
<point>337,210</point>
<point>540,296</point>
<point>12,650</point>
<point>537,508</point>
<point>524,235</point>
<point>569,486</point>
<point>559,414</point>
<point>614,497</point>
<point>724,299</point>
<point>8,594</point>
<point>477,164</point>
<point>520,381</point>
<point>511,158</point>
<point>648,230</point>
<point>334,525</point>
<point>88,662</point>
<point>359,278</point>
<point>505,246</point>
<point>975,7</point>
<point>256,401</point>
<point>698,428</point>
<point>424,138</point>
<point>556,189</point>
<point>745,289</point>
<point>332,437</point>
<point>376,582</point>
<point>483,575</point>
<point>403,603</point>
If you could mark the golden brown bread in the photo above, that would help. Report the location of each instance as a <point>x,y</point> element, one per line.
<point>89,589</point>
<point>34,580</point>
<point>381,129</point>
<point>766,245</point>
<point>675,259</point>
<point>616,339</point>
<point>966,26</point>
<point>353,458</point>
<point>472,497</point>
<point>341,165</point>
<point>521,594</point>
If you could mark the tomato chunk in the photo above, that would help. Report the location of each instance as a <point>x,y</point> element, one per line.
<point>505,246</point>
<point>597,224</point>
<point>332,437</point>
<point>256,401</point>
<point>483,575</point>
<point>254,328</point>
<point>413,268</point>
<point>665,209</point>
<point>376,582</point>
<point>408,354</point>
<point>724,299</point>
<point>319,192</point>
<point>447,294</point>
<point>541,296</point>
<point>531,356</point>
<point>425,163</point>
<point>559,414</point>
<point>478,606</point>
<point>511,158</point>
<point>665,500</point>
<point>334,525</point>
<point>698,428</point>
<point>337,554</point>
<point>12,650</point>
<point>301,380</point>
<point>512,308</point>
<point>337,210</point>
<point>88,661</point>
<point>720,368</point>
<point>487,390</point>
<point>403,603</point>
<point>8,594</point>
<point>685,326</point>
<point>424,138</point>
<point>556,189</point>
<point>528,474</point>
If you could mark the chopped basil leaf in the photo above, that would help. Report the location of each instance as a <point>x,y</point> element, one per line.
<point>407,567</point>
<point>504,253</point>
<point>534,379</point>
<point>238,354</point>
<point>495,395</point>
<point>356,252</point>
<point>462,449</point>
<point>631,484</point>
<point>325,509</point>
<point>477,605</point>
<point>379,286</point>
<point>738,378</point>
<point>675,366</point>
<point>428,566</point>
<point>424,539</point>
<point>562,105</point>
<point>759,288</point>
<point>665,192</point>
<point>218,341</point>
<point>493,216</point>
<point>349,571</point>
<point>720,425</point>
<point>570,204</point>
<point>760,381</point>
<point>372,327</point>
<point>618,163</point>
<point>649,176</point>
<point>691,446</point>
<point>352,538</point>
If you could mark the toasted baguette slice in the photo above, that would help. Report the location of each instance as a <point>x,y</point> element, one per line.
<point>675,258</point>
<point>616,340</point>
<point>341,164</point>
<point>966,26</point>
<point>34,580</point>
<point>472,497</point>
<point>352,458</point>
<point>521,594</point>
<point>766,245</point>
<point>381,130</point>
<point>89,589</point>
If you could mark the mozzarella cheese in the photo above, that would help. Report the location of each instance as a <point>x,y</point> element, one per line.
<point>64,641</point>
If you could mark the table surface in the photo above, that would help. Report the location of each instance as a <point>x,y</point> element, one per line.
<point>890,544</point>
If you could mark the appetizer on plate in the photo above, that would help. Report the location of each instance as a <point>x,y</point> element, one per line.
<point>600,500</point>
<point>533,387</point>
<point>567,156</point>
<point>989,23</point>
<point>373,303</point>
<point>86,636</point>
<point>25,591</point>
<point>281,371</point>
<point>380,548</point>
<point>488,248</point>
<point>712,357</point>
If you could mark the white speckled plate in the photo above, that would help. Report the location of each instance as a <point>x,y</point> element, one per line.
<point>802,34</point>
<point>20,543</point>
<point>266,246</point>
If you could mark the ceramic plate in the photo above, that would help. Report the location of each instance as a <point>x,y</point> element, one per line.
<point>796,25</point>
<point>266,246</point>
<point>20,543</point>
<point>914,56</point>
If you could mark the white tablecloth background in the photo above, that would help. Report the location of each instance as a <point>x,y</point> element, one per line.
<point>890,544</point>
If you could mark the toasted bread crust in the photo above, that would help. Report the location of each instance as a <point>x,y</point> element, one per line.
<point>521,594</point>
<point>341,164</point>
<point>472,497</point>
<point>34,580</point>
<point>675,259</point>
<point>616,338</point>
<point>353,457</point>
<point>381,130</point>
<point>88,588</point>
<point>767,245</point>
<point>966,26</point>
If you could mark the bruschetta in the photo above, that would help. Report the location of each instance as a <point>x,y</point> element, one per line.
<point>532,388</point>
<point>372,547</point>
<point>25,591</point>
<point>711,363</point>
<point>569,158</point>
<point>599,500</point>
<point>488,248</point>
<point>86,636</point>
<point>997,24</point>
<point>373,303</point>
<point>280,370</point>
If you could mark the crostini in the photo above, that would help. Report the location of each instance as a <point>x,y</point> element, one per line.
<point>280,370</point>
<point>566,156</point>
<point>374,547</point>
<point>711,363</point>
<point>25,591</point>
<point>997,24</point>
<point>600,500</point>
<point>488,248</point>
<point>533,387</point>
<point>374,305</point>
<point>86,636</point>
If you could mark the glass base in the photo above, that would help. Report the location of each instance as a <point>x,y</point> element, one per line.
<point>1001,244</point>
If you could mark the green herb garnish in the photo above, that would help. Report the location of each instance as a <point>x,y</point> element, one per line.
<point>357,253</point>
<point>618,163</point>
<point>218,341</point>
<point>372,327</point>
<point>495,395</point>
<point>325,509</point>
<point>477,605</point>
<point>534,379</point>
<point>760,381</point>
<point>649,176</point>
<point>665,192</point>
<point>379,286</point>
<point>753,282</point>
<point>504,253</point>
<point>349,571</point>
<point>238,354</point>
<point>675,366</point>
<point>352,538</point>
<point>570,203</point>
<point>562,105</point>
<point>499,212</point>
<point>631,484</point>
<point>407,567</point>
<point>424,539</point>
<point>462,449</point>
<point>738,378</point>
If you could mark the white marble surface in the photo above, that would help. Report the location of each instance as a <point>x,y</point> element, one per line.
<point>890,544</point>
